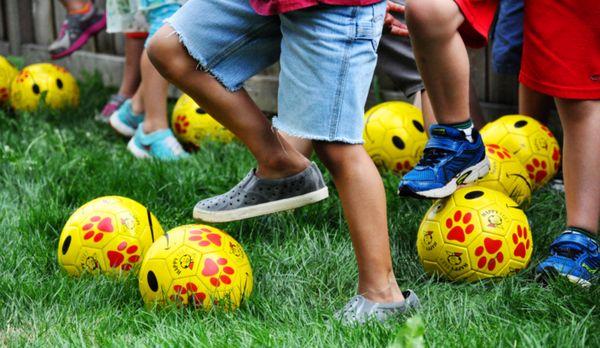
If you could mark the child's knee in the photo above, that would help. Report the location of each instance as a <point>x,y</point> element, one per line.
<point>167,54</point>
<point>336,156</point>
<point>432,17</point>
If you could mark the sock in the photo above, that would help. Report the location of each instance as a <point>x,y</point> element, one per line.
<point>85,9</point>
<point>583,231</point>
<point>465,127</point>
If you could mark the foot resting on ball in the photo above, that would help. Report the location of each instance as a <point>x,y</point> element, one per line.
<point>449,160</point>
<point>254,196</point>
<point>359,309</point>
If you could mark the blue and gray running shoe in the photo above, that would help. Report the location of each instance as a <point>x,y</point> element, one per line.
<point>124,120</point>
<point>448,161</point>
<point>573,255</point>
<point>160,144</point>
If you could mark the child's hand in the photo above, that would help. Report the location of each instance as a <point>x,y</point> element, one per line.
<point>395,26</point>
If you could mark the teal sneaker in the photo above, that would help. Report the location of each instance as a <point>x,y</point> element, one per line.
<point>160,144</point>
<point>124,121</point>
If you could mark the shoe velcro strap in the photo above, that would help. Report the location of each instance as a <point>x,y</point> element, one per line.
<point>445,144</point>
<point>574,240</point>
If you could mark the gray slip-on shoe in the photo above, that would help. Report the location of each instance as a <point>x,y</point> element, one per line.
<point>254,196</point>
<point>359,309</point>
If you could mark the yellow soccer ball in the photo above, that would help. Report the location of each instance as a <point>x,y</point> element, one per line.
<point>56,83</point>
<point>196,265</point>
<point>394,136</point>
<point>474,234</point>
<point>507,175</point>
<point>191,124</point>
<point>107,235</point>
<point>528,140</point>
<point>7,74</point>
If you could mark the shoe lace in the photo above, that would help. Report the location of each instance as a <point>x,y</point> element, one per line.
<point>174,146</point>
<point>432,157</point>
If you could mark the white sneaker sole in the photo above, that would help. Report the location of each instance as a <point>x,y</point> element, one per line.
<point>579,281</point>
<point>261,209</point>
<point>136,150</point>
<point>119,126</point>
<point>467,176</point>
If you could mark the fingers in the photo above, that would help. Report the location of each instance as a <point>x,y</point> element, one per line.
<point>394,7</point>
<point>395,26</point>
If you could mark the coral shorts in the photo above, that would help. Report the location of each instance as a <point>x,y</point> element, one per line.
<point>479,16</point>
<point>561,48</point>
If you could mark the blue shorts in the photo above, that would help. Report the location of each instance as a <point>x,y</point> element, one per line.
<point>508,38</point>
<point>327,56</point>
<point>156,18</point>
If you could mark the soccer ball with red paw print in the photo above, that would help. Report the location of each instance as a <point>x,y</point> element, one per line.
<point>532,143</point>
<point>474,234</point>
<point>196,265</point>
<point>107,235</point>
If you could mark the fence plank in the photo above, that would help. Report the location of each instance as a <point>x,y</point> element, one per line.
<point>105,43</point>
<point>502,89</point>
<point>478,61</point>
<point>2,21</point>
<point>43,22</point>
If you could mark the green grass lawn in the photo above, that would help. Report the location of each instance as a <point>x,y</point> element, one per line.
<point>53,162</point>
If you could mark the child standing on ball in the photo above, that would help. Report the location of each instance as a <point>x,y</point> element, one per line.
<point>560,59</point>
<point>327,54</point>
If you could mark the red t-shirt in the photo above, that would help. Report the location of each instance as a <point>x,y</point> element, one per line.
<point>271,7</point>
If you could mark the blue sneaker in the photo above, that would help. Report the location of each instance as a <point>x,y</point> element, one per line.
<point>573,255</point>
<point>124,121</point>
<point>160,144</point>
<point>448,161</point>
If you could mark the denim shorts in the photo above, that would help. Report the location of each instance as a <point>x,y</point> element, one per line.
<point>507,43</point>
<point>327,56</point>
<point>156,17</point>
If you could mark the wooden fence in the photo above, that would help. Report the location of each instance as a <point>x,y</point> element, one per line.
<point>27,27</point>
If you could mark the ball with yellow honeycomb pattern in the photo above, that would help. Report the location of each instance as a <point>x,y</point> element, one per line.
<point>476,233</point>
<point>394,135</point>
<point>53,82</point>
<point>528,140</point>
<point>192,125</point>
<point>196,265</point>
<point>7,74</point>
<point>506,175</point>
<point>107,235</point>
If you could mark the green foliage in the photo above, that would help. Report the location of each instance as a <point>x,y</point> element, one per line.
<point>52,162</point>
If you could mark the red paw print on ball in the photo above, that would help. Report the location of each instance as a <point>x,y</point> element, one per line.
<point>190,290</point>
<point>205,237</point>
<point>117,258</point>
<point>556,158</point>
<point>22,77</point>
<point>3,93</point>
<point>403,167</point>
<point>545,129</point>
<point>538,170</point>
<point>218,272</point>
<point>181,124</point>
<point>97,227</point>
<point>490,247</point>
<point>498,150</point>
<point>522,242</point>
<point>459,226</point>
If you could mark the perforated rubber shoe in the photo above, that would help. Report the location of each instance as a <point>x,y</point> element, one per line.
<point>449,160</point>
<point>572,255</point>
<point>254,196</point>
<point>359,309</point>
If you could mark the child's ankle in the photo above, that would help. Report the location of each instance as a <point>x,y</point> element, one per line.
<point>387,293</point>
<point>583,231</point>
<point>466,127</point>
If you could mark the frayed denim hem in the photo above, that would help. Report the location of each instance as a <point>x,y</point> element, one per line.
<point>281,127</point>
<point>202,63</point>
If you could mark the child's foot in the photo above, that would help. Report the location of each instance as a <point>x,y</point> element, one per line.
<point>254,196</point>
<point>76,31</point>
<point>160,144</point>
<point>573,255</point>
<point>448,161</point>
<point>124,120</point>
<point>359,309</point>
<point>113,104</point>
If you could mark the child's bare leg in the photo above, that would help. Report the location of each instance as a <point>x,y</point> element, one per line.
<point>474,109</point>
<point>363,200</point>
<point>441,56</point>
<point>132,74</point>
<point>534,104</point>
<point>581,163</point>
<point>235,110</point>
<point>154,89</point>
